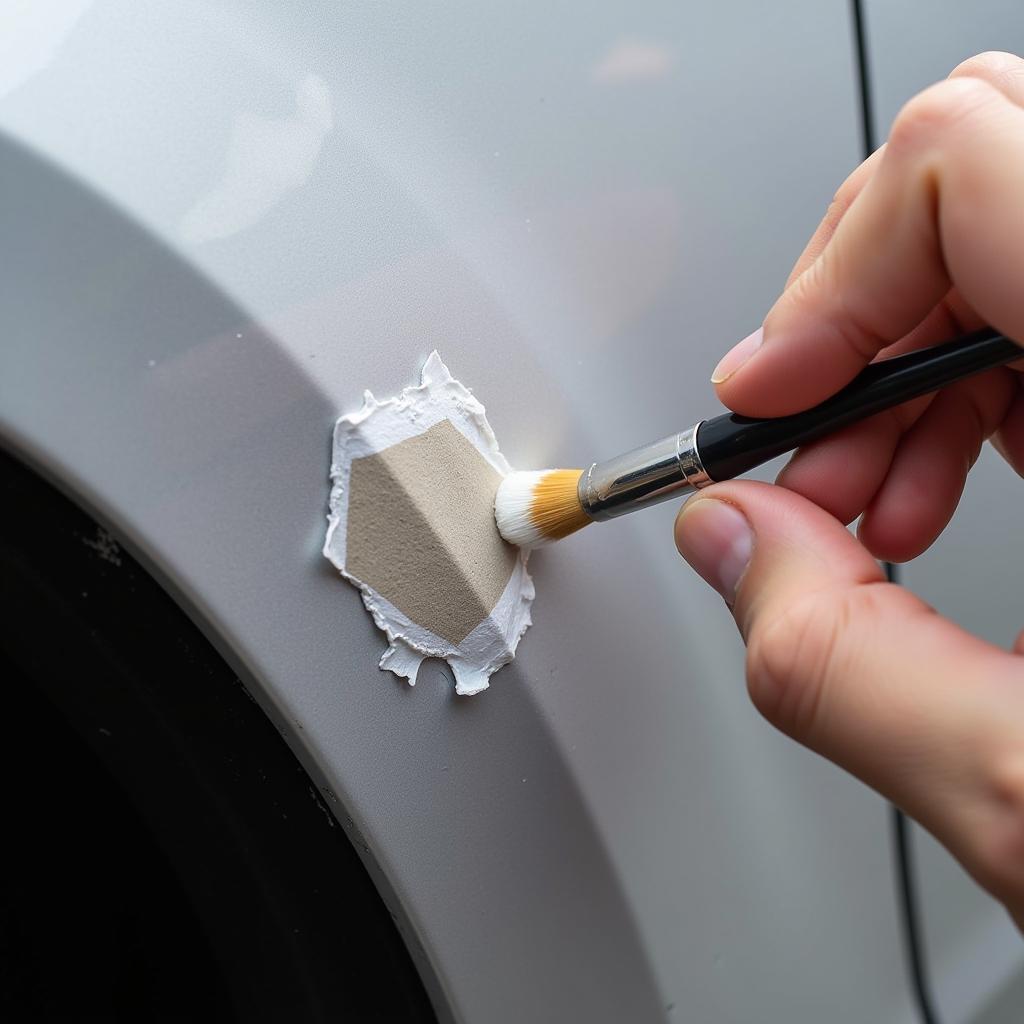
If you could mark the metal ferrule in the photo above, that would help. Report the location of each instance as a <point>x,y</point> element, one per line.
<point>643,477</point>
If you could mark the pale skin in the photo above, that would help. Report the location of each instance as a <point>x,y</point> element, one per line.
<point>924,241</point>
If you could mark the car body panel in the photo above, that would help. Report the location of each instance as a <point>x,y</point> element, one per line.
<point>223,221</point>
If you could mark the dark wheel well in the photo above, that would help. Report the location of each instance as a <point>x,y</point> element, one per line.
<point>166,857</point>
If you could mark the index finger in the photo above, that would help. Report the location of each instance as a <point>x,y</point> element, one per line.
<point>841,202</point>
<point>944,207</point>
<point>1004,71</point>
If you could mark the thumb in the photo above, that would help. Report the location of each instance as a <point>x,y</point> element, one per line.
<point>863,672</point>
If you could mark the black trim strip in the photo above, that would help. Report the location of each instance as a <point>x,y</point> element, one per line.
<point>907,894</point>
<point>867,107</point>
<point>913,939</point>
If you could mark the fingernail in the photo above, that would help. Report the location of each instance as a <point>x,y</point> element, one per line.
<point>716,539</point>
<point>737,356</point>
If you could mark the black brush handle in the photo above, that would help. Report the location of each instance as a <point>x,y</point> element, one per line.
<point>730,445</point>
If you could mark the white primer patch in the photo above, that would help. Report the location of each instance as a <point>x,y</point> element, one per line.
<point>379,425</point>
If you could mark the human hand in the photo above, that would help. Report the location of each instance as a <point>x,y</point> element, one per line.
<point>923,242</point>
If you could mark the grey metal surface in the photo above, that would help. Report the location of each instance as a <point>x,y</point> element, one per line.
<point>220,222</point>
<point>974,951</point>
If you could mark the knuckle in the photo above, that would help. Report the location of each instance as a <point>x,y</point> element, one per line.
<point>798,654</point>
<point>991,66</point>
<point>855,181</point>
<point>844,196</point>
<point>997,858</point>
<point>856,328</point>
<point>836,209</point>
<point>926,120</point>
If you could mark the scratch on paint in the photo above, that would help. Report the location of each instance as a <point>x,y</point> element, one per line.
<point>323,807</point>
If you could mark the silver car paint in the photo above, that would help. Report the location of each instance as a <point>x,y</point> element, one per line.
<point>222,221</point>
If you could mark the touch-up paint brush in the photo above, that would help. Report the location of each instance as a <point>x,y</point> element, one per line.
<point>535,508</point>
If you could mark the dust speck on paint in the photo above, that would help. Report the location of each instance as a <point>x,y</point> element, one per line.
<point>411,524</point>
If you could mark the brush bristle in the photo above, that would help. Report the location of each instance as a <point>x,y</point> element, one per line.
<point>538,507</point>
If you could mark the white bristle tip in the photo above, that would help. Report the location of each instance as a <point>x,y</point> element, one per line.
<point>512,506</point>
